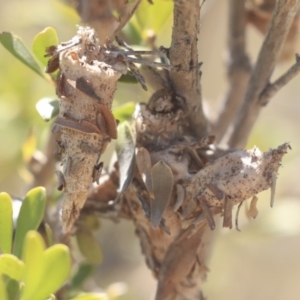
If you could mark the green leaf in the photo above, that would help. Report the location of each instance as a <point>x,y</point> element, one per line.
<point>91,296</point>
<point>124,112</point>
<point>44,39</point>
<point>125,147</point>
<point>6,223</point>
<point>84,271</point>
<point>47,273</point>
<point>32,255</point>
<point>57,266</point>
<point>3,292</point>
<point>48,108</point>
<point>30,216</point>
<point>13,289</point>
<point>49,235</point>
<point>89,246</point>
<point>153,17</point>
<point>18,49</point>
<point>11,266</point>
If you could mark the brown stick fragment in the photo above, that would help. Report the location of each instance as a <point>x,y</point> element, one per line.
<point>85,87</point>
<point>97,172</point>
<point>81,126</point>
<point>207,213</point>
<point>237,216</point>
<point>273,188</point>
<point>110,122</point>
<point>143,162</point>
<point>227,220</point>
<point>193,153</point>
<point>271,90</point>
<point>60,85</point>
<point>53,64</point>
<point>216,191</point>
<point>60,180</point>
<point>253,212</point>
<point>179,197</point>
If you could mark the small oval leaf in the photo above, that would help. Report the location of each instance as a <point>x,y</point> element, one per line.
<point>143,161</point>
<point>13,289</point>
<point>6,223</point>
<point>253,212</point>
<point>11,266</point>
<point>32,256</point>
<point>57,266</point>
<point>111,124</point>
<point>163,181</point>
<point>49,235</point>
<point>89,246</point>
<point>48,108</point>
<point>125,151</point>
<point>44,39</point>
<point>91,296</point>
<point>30,216</point>
<point>17,48</point>
<point>54,263</point>
<point>180,197</point>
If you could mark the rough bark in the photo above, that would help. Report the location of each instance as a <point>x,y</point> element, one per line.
<point>183,55</point>
<point>85,125</point>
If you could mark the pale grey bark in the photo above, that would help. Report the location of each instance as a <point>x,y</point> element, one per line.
<point>283,16</point>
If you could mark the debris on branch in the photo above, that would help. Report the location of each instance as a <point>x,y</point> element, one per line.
<point>85,125</point>
<point>87,81</point>
<point>235,177</point>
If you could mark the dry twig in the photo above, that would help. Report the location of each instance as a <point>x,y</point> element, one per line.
<point>283,15</point>
<point>272,89</point>
<point>239,67</point>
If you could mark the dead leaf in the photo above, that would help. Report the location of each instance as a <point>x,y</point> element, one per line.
<point>163,181</point>
<point>143,161</point>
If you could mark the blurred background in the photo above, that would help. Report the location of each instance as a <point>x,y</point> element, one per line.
<point>260,262</point>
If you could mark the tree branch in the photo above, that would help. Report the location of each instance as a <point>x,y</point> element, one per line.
<point>239,67</point>
<point>283,15</point>
<point>99,14</point>
<point>271,90</point>
<point>183,55</point>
